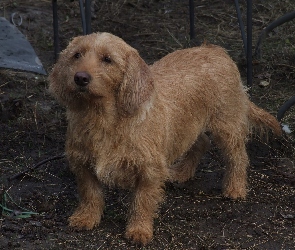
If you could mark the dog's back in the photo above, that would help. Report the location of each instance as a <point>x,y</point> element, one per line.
<point>207,82</point>
<point>201,89</point>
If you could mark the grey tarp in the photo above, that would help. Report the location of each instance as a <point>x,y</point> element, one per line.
<point>15,51</point>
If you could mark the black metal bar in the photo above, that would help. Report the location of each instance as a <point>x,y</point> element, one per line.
<point>249,44</point>
<point>88,16</point>
<point>288,104</point>
<point>285,18</point>
<point>55,29</point>
<point>241,24</point>
<point>82,12</point>
<point>192,18</point>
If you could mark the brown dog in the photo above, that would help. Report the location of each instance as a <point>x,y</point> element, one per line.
<point>136,126</point>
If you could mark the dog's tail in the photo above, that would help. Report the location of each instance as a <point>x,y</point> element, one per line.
<point>262,120</point>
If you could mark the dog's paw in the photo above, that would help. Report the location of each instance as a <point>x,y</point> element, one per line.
<point>235,193</point>
<point>235,189</point>
<point>82,220</point>
<point>139,235</point>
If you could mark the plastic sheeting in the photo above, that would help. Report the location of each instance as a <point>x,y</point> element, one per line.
<point>15,51</point>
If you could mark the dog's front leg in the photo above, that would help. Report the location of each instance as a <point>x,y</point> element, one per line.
<point>91,204</point>
<point>142,212</point>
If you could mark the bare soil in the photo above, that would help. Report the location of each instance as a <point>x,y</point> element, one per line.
<point>194,215</point>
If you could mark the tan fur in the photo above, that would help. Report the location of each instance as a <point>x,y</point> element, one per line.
<point>136,126</point>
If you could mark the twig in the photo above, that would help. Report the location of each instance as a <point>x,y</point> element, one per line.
<point>36,166</point>
<point>174,38</point>
<point>285,65</point>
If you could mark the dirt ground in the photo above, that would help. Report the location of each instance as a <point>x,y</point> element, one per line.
<point>194,215</point>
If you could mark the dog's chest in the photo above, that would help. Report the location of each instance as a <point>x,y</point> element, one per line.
<point>111,160</point>
<point>117,174</point>
<point>116,158</point>
<point>110,163</point>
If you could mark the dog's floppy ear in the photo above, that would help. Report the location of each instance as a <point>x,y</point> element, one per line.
<point>137,85</point>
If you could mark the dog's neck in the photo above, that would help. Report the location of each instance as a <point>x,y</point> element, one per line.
<point>105,115</point>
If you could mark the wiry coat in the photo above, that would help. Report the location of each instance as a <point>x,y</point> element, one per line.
<point>136,126</point>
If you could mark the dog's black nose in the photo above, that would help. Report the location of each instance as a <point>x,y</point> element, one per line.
<point>82,78</point>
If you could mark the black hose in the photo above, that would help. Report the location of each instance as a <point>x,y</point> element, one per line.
<point>55,29</point>
<point>82,12</point>
<point>249,45</point>
<point>241,24</point>
<point>285,18</point>
<point>88,16</point>
<point>288,104</point>
<point>192,19</point>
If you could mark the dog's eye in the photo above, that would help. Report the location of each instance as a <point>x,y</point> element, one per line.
<point>106,59</point>
<point>77,55</point>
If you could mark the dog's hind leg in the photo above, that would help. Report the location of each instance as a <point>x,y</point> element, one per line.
<point>185,167</point>
<point>232,143</point>
<point>91,204</point>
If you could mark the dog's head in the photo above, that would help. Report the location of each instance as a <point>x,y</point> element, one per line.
<point>101,69</point>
